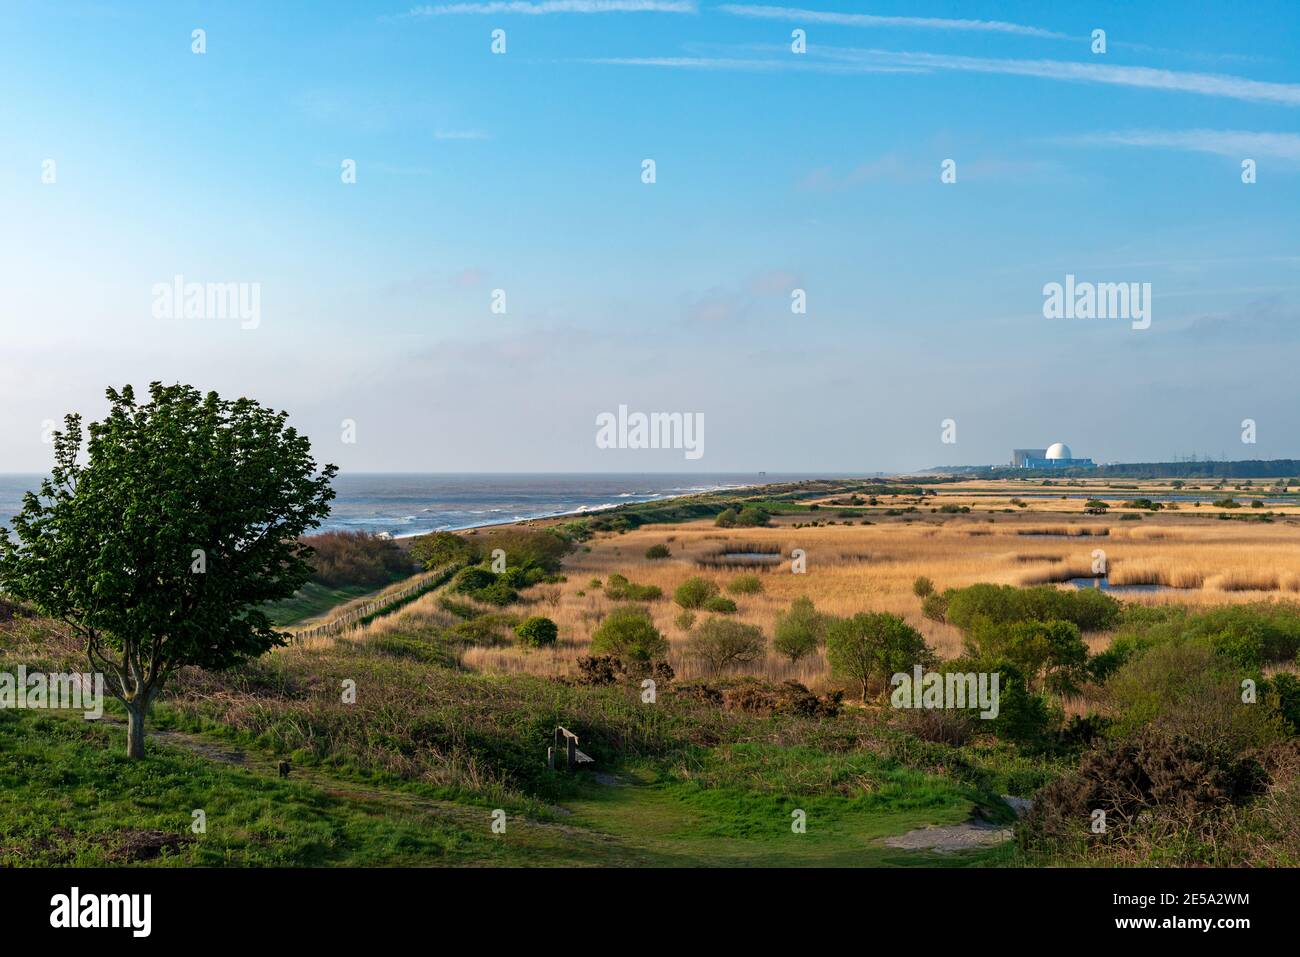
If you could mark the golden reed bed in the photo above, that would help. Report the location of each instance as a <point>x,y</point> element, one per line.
<point>852,568</point>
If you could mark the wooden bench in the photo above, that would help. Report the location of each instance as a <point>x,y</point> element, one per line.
<point>567,740</point>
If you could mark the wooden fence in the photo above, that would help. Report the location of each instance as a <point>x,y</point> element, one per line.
<point>353,617</point>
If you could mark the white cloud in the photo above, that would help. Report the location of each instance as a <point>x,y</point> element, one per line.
<point>871,20</point>
<point>542,7</point>
<point>1206,84</point>
<point>742,64</point>
<point>1238,144</point>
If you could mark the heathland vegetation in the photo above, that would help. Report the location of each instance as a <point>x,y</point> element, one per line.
<point>725,675</point>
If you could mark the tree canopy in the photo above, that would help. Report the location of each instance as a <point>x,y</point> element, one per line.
<point>160,547</point>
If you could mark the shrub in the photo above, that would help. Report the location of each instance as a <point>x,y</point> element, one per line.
<point>1089,608</point>
<point>443,548</point>
<point>472,580</point>
<point>628,632</point>
<point>526,547</point>
<point>355,558</point>
<point>1184,687</point>
<point>935,606</point>
<point>872,647</point>
<point>922,587</point>
<point>790,697</point>
<point>745,585</point>
<point>685,620</point>
<point>498,593</point>
<point>618,588</point>
<point>720,605</point>
<point>537,632</point>
<point>752,516</point>
<point>721,642</point>
<point>694,592</point>
<point>655,552</point>
<point>1131,779</point>
<point>800,630</point>
<point>1050,653</point>
<point>726,518</point>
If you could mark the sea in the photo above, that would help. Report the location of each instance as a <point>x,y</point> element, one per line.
<point>415,504</point>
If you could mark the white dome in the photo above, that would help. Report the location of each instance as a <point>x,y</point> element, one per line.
<point>1059,450</point>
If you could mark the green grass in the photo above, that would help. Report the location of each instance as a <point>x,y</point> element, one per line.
<point>70,797</point>
<point>314,599</point>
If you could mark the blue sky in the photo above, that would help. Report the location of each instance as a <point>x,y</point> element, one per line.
<point>775,171</point>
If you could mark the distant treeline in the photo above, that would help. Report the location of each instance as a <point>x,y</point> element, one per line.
<point>1247,468</point>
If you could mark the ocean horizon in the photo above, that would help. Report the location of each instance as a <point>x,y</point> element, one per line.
<point>403,504</point>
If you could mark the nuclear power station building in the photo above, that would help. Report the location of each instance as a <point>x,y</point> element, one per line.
<point>1055,456</point>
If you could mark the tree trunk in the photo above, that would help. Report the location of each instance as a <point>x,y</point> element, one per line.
<point>135,728</point>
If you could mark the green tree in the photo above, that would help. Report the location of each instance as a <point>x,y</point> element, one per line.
<point>721,642</point>
<point>162,549</point>
<point>628,632</point>
<point>872,647</point>
<point>800,630</point>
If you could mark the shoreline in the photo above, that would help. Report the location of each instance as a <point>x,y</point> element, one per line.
<point>581,510</point>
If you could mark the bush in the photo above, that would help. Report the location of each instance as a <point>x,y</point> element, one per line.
<point>922,587</point>
<point>800,630</point>
<point>628,632</point>
<point>721,642</point>
<point>752,516</point>
<point>872,647</point>
<point>694,592</point>
<point>537,632</point>
<point>443,548</point>
<point>498,593</point>
<point>685,620</point>
<point>1048,653</point>
<point>726,518</point>
<point>935,606</point>
<point>472,580</point>
<point>790,697</point>
<point>1130,780</point>
<point>526,547</point>
<point>1184,687</point>
<point>655,552</point>
<point>1089,608</point>
<point>619,588</point>
<point>355,558</point>
<point>720,605</point>
<point>746,585</point>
